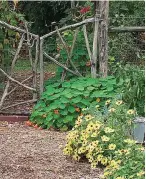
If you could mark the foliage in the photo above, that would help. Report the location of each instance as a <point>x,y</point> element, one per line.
<point>100,137</point>
<point>132,81</point>
<point>61,103</point>
<point>80,55</point>
<point>43,13</point>
<point>128,163</point>
<point>8,38</point>
<point>126,46</point>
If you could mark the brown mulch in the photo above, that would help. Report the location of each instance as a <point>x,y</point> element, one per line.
<point>28,153</point>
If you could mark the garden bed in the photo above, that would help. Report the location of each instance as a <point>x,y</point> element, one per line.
<point>29,153</point>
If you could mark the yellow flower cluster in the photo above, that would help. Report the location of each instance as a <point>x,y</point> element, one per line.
<point>78,121</point>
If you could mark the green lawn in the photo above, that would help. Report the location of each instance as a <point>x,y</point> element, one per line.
<point>24,65</point>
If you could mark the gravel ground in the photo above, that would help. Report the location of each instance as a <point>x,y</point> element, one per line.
<point>28,153</point>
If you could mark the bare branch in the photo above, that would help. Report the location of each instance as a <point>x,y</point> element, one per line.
<point>15,81</point>
<point>17,86</point>
<point>68,53</point>
<point>71,52</point>
<point>4,24</point>
<point>24,102</point>
<point>87,42</point>
<point>59,64</point>
<point>68,27</point>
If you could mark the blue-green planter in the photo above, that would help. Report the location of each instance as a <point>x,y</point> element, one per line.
<point>139,129</point>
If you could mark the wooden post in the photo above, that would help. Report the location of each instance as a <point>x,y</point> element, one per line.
<point>103,38</point>
<point>35,68</point>
<point>41,67</point>
<point>95,43</point>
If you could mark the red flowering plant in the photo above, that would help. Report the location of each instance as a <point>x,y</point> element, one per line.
<point>85,10</point>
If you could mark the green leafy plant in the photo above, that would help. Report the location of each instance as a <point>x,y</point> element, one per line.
<point>61,103</point>
<point>132,81</point>
<point>128,163</point>
<point>80,55</point>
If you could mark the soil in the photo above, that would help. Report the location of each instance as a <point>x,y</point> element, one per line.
<point>28,153</point>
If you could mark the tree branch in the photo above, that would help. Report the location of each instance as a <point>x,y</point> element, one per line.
<point>68,53</point>
<point>87,42</point>
<point>71,52</point>
<point>17,86</point>
<point>15,81</point>
<point>59,64</point>
<point>24,102</point>
<point>15,28</point>
<point>68,27</point>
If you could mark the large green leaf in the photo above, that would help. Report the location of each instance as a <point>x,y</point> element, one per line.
<point>68,119</point>
<point>62,106</point>
<point>71,109</point>
<point>77,99</point>
<point>50,90</point>
<point>64,112</point>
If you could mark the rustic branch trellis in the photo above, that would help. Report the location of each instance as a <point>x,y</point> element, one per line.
<point>99,52</point>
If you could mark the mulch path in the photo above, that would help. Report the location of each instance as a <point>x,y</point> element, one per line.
<point>28,153</point>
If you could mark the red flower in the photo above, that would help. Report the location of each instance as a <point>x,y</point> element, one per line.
<point>85,9</point>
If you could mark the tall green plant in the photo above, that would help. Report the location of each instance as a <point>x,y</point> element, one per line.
<point>61,103</point>
<point>132,81</point>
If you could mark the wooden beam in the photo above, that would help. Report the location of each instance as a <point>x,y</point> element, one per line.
<point>126,29</point>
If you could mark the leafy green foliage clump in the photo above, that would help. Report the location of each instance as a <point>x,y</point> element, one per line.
<point>61,103</point>
<point>132,81</point>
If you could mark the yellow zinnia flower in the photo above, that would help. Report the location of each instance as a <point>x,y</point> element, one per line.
<point>99,157</point>
<point>112,110</point>
<point>97,106</point>
<point>104,161</point>
<point>88,117</point>
<point>130,111</point>
<point>105,138</point>
<point>119,102</point>
<point>119,177</point>
<point>107,102</point>
<point>108,130</point>
<point>112,146</point>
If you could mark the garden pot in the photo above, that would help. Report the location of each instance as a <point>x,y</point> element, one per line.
<point>139,129</point>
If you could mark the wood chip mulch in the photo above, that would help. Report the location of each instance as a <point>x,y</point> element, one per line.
<point>28,153</point>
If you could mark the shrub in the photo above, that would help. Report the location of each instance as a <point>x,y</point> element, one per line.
<point>99,133</point>
<point>132,81</point>
<point>61,103</point>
